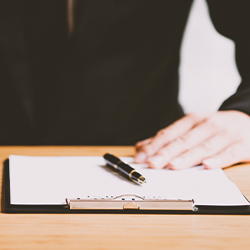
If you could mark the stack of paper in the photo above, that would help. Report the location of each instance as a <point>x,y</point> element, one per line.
<point>50,180</point>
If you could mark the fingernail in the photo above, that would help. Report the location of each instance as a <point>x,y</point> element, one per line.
<point>140,157</point>
<point>211,162</point>
<point>176,162</point>
<point>156,161</point>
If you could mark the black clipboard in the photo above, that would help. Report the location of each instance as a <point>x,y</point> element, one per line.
<point>10,208</point>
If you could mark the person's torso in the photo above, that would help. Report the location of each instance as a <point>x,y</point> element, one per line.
<point>115,81</point>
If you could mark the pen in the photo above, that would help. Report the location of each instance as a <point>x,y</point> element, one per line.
<point>124,168</point>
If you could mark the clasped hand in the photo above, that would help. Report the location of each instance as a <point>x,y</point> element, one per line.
<point>215,140</point>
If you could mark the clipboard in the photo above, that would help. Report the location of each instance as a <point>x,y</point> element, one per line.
<point>125,203</point>
<point>130,202</point>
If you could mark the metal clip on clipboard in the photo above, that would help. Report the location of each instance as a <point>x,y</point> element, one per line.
<point>129,201</point>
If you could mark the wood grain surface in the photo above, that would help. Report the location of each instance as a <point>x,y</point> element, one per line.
<point>107,231</point>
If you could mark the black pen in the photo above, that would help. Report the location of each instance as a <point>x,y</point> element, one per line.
<point>124,168</point>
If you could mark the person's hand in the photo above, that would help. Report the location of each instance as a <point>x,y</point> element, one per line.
<point>216,140</point>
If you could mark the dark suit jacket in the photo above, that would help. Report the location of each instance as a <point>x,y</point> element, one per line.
<point>114,82</point>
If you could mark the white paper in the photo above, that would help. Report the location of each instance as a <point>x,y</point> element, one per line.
<point>50,180</point>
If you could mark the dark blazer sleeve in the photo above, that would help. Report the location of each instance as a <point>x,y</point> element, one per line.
<point>231,18</point>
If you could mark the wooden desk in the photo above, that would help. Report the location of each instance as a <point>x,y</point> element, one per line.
<point>103,231</point>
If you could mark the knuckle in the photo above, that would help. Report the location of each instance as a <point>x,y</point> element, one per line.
<point>183,142</point>
<point>148,149</point>
<point>214,122</point>
<point>194,116</point>
<point>232,152</point>
<point>160,139</point>
<point>207,146</point>
<point>211,122</point>
<point>163,133</point>
<point>164,153</point>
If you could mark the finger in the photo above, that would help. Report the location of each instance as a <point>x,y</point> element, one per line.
<point>142,143</point>
<point>141,156</point>
<point>172,132</point>
<point>231,155</point>
<point>194,137</point>
<point>206,149</point>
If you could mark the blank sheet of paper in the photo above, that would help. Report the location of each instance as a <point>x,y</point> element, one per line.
<point>50,180</point>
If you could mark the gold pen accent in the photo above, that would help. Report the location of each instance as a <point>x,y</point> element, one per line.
<point>130,174</point>
<point>141,180</point>
<point>124,168</point>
